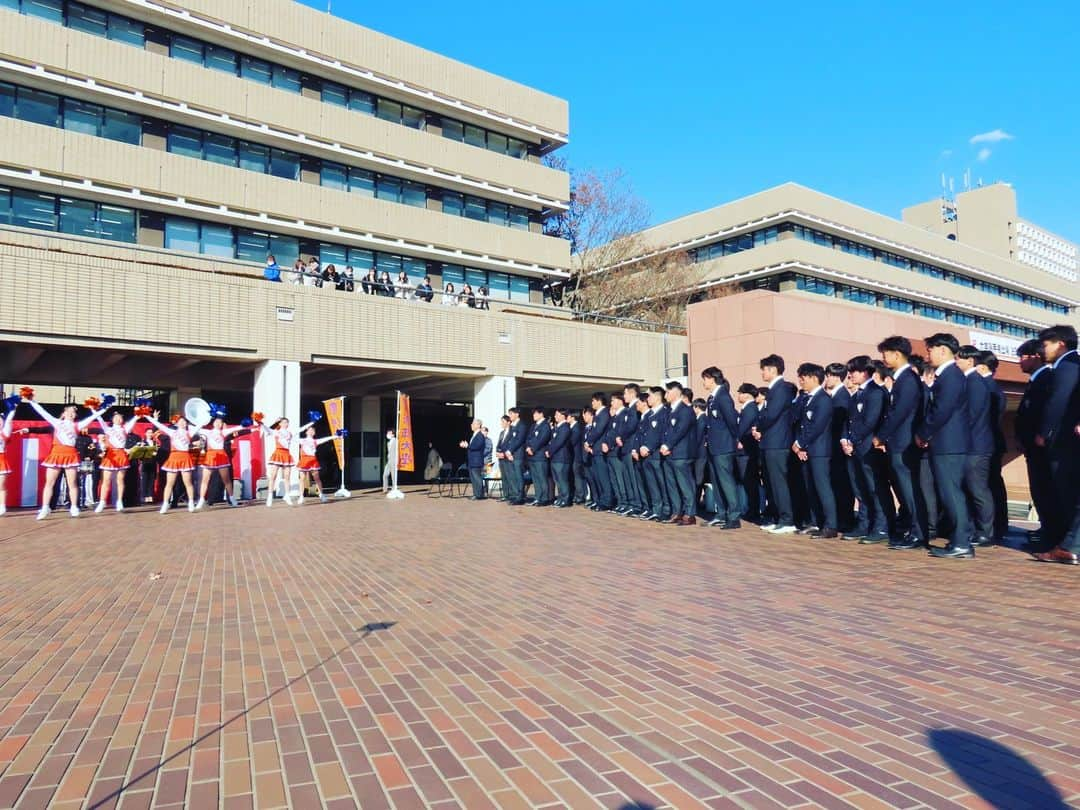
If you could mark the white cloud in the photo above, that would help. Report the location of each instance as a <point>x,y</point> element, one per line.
<point>984,154</point>
<point>993,136</point>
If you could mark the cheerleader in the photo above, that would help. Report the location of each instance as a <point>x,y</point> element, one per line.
<point>115,464</point>
<point>217,459</point>
<point>5,468</point>
<point>179,461</point>
<point>281,460</point>
<point>63,456</point>
<point>308,466</point>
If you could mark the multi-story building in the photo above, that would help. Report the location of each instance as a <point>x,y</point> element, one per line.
<point>987,218</point>
<point>154,154</point>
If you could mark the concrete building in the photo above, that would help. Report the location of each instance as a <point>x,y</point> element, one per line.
<point>987,218</point>
<point>154,155</point>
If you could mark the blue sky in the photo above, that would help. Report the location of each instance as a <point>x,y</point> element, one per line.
<point>702,102</point>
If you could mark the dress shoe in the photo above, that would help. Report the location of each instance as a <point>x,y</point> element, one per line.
<point>807,530</point>
<point>564,505</point>
<point>690,520</point>
<point>982,541</point>
<point>854,534</point>
<point>825,534</point>
<point>953,553</point>
<point>1057,555</point>
<point>906,544</point>
<point>675,520</point>
<point>873,537</point>
<point>731,524</point>
<point>658,519</point>
<point>647,515</point>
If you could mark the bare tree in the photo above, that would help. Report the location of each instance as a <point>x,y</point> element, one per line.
<point>614,272</point>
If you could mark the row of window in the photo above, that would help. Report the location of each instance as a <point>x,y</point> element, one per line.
<point>215,57</point>
<point>226,241</point>
<point>764,236</point>
<point>50,212</point>
<point>49,109</point>
<point>896,303</point>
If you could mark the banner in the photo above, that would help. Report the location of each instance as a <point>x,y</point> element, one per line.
<point>335,418</point>
<point>406,453</point>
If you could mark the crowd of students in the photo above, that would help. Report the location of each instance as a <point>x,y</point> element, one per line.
<point>898,450</point>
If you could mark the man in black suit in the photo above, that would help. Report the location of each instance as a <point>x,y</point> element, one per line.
<point>650,437</point>
<point>577,441</point>
<point>475,459</point>
<point>896,437</point>
<point>1028,418</point>
<point>945,431</point>
<point>624,425</point>
<point>515,454</point>
<point>1059,435</point>
<point>930,511</point>
<point>603,497</point>
<point>813,448</point>
<point>747,462</point>
<point>588,426</point>
<point>773,431</point>
<point>536,447</point>
<point>721,441</point>
<point>987,366</point>
<point>977,468</point>
<point>839,477</point>
<point>700,452</point>
<point>634,490</point>
<point>561,455</point>
<point>500,456</point>
<point>869,477</point>
<point>676,452</point>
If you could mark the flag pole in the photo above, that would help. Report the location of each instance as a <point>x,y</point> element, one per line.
<point>342,492</point>
<point>395,493</point>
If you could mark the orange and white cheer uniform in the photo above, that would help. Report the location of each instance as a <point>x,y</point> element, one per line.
<point>215,457</point>
<point>116,455</point>
<point>308,461</point>
<point>5,434</point>
<point>179,459</point>
<point>63,455</point>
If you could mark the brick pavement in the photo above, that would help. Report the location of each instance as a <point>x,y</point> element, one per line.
<point>451,654</point>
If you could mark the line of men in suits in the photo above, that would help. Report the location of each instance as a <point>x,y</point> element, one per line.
<point>896,450</point>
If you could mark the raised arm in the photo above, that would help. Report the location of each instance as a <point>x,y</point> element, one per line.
<point>96,415</point>
<point>302,428</point>
<point>324,440</point>
<point>225,432</point>
<point>44,414</point>
<point>153,420</point>
<point>6,430</point>
<point>130,424</point>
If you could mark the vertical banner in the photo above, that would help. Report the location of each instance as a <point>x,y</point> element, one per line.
<point>405,449</point>
<point>335,418</point>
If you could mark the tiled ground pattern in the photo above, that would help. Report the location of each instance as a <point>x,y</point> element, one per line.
<point>452,654</point>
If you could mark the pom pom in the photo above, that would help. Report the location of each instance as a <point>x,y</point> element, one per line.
<point>257,416</point>
<point>93,403</point>
<point>174,418</point>
<point>26,392</point>
<point>217,411</point>
<point>314,416</point>
<point>342,432</point>
<point>143,410</point>
<point>12,402</point>
<point>246,422</point>
<point>108,400</point>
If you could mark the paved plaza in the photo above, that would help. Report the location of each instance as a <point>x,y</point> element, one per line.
<point>448,654</point>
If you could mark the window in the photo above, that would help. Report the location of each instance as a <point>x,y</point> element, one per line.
<point>453,274</point>
<point>184,141</point>
<point>52,10</point>
<point>475,208</point>
<point>361,261</point>
<point>5,205</point>
<point>517,149</point>
<point>218,58</point>
<point>499,285</point>
<point>453,203</point>
<point>286,249</point>
<point>189,50</point>
<point>963,319</point>
<point>78,217</point>
<point>519,288</point>
<point>497,143</point>
<point>454,130</point>
<point>414,194</point>
<point>332,254</point>
<point>475,136</point>
<point>815,285</point>
<point>181,234</point>
<point>927,311</point>
<point>415,269</point>
<point>412,117</point>
<point>858,295</point>
<point>897,304</point>
<point>7,100</point>
<point>122,126</point>
<point>219,149</point>
<point>116,223</point>
<point>475,278</point>
<point>29,209</point>
<point>519,218</point>
<point>362,182</point>
<point>498,213</point>
<point>284,164</point>
<point>254,246</point>
<point>388,188</point>
<point>256,69</point>
<point>90,20</point>
<point>388,110</point>
<point>335,94</point>
<point>217,240</point>
<point>362,102</point>
<point>122,29</point>
<point>82,117</point>
<point>286,79</point>
<point>253,157</point>
<point>333,175</point>
<point>38,107</point>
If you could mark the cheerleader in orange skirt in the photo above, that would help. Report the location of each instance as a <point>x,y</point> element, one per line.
<point>281,460</point>
<point>308,466</point>
<point>115,463</point>
<point>63,457</point>
<point>216,459</point>
<point>179,461</point>
<point>5,468</point>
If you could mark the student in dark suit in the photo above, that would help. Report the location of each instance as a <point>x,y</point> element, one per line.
<point>981,448</point>
<point>1058,435</point>
<point>650,436</point>
<point>536,447</point>
<point>561,454</point>
<point>587,440</point>
<point>610,451</point>
<point>500,456</point>
<point>839,477</point>
<point>624,426</point>
<point>635,490</point>
<point>697,448</point>
<point>813,448</point>
<point>896,437</point>
<point>676,453</point>
<point>869,478</point>
<point>944,431</point>
<point>577,441</point>
<point>987,366</point>
<point>773,431</point>
<point>515,454</point>
<point>721,440</point>
<point>604,497</point>
<point>930,514</point>
<point>475,458</point>
<point>747,463</point>
<point>797,485</point>
<point>1028,419</point>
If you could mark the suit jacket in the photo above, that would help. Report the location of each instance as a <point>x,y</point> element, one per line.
<point>982,437</point>
<point>653,427</point>
<point>577,439</point>
<point>678,432</point>
<point>997,414</point>
<point>865,412</point>
<point>747,417</point>
<point>904,411</point>
<point>815,425</point>
<point>601,422</point>
<point>697,435</point>
<point>588,437</point>
<point>475,452</point>
<point>559,449</point>
<point>500,445</point>
<point>774,420</point>
<point>538,439</point>
<point>1062,409</point>
<point>841,401</point>
<point>1029,413</point>
<point>722,421</point>
<point>945,425</point>
<point>515,440</point>
<point>625,428</point>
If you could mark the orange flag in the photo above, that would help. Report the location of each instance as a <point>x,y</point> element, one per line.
<point>405,449</point>
<point>335,418</point>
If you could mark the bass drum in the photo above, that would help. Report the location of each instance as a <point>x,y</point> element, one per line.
<point>197,412</point>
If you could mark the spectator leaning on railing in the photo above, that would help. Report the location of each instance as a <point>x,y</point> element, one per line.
<point>424,291</point>
<point>449,295</point>
<point>272,272</point>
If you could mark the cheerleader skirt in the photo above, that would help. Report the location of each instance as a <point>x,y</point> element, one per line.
<point>5,468</point>
<point>115,459</point>
<point>61,457</point>
<point>178,461</point>
<point>281,458</point>
<point>308,464</point>
<point>215,460</point>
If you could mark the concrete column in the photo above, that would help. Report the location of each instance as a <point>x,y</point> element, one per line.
<point>277,394</point>
<point>370,422</point>
<point>492,397</point>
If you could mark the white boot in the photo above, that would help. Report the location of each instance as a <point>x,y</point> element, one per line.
<point>270,499</point>
<point>74,511</point>
<point>191,506</point>
<point>322,497</point>
<point>231,500</point>
<point>300,499</point>
<point>201,504</point>
<point>3,508</point>
<point>119,506</point>
<point>43,512</point>
<point>164,507</point>
<point>100,507</point>
<point>288,499</point>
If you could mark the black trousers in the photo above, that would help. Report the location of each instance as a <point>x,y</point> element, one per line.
<point>800,497</point>
<point>904,467</point>
<point>929,509</point>
<point>560,471</point>
<point>817,472</point>
<point>1041,485</point>
<point>1000,496</point>
<point>516,481</point>
<point>1064,472</point>
<point>652,470</point>
<point>538,470</point>
<point>722,470</point>
<point>776,484</point>
<point>504,476</point>
<point>949,480</point>
<point>977,485</point>
<point>679,479</point>
<point>871,484</point>
<point>476,476</point>
<point>840,479</point>
<point>602,474</point>
<point>581,482</point>
<point>749,470</point>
